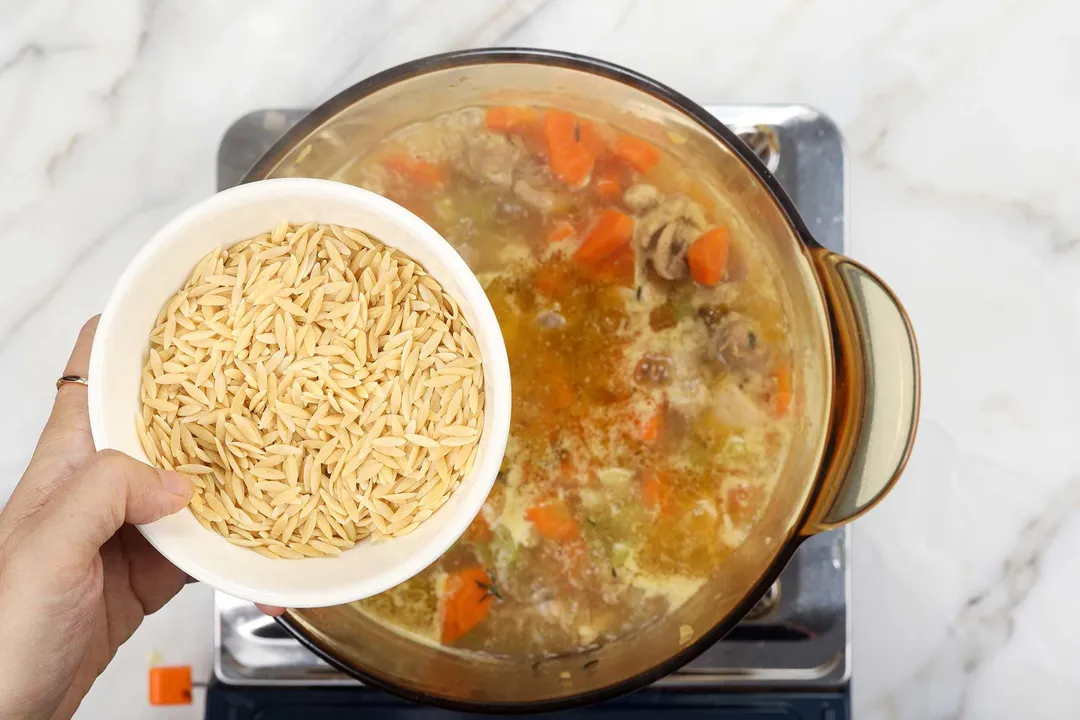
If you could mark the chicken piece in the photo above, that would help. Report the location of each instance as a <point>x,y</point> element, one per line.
<point>676,207</point>
<point>667,254</point>
<point>535,186</point>
<point>490,158</point>
<point>640,197</point>
<point>664,234</point>
<point>734,344</point>
<point>545,202</point>
<point>736,409</point>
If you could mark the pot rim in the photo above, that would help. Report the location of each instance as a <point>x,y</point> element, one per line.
<point>572,61</point>
<point>537,56</point>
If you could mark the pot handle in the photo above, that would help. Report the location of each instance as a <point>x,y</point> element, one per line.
<point>876,393</point>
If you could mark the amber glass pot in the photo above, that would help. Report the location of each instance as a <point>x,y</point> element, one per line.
<point>856,383</point>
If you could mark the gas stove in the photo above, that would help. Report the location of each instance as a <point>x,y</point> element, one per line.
<point>789,658</point>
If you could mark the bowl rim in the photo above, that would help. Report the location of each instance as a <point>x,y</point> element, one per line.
<point>497,404</point>
<point>272,157</point>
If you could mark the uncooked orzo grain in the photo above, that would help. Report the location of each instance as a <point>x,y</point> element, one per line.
<point>318,388</point>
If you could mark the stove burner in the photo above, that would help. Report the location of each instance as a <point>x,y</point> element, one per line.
<point>796,636</point>
<point>766,604</point>
<point>765,143</point>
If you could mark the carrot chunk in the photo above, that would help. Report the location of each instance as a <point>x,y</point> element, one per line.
<point>607,186</point>
<point>708,257</point>
<point>592,140</point>
<point>511,118</point>
<point>640,155</point>
<point>549,280</point>
<point>611,232</point>
<point>553,520</point>
<point>562,231</point>
<point>465,602</point>
<point>419,173</point>
<point>615,269</point>
<point>568,156</point>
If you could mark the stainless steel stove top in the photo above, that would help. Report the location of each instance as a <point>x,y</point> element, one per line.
<point>797,637</point>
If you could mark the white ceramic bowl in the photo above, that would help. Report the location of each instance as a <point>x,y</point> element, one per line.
<point>164,265</point>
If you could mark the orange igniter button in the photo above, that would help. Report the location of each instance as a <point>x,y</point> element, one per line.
<point>170,685</point>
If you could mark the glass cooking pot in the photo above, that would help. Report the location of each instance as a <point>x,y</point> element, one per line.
<point>856,382</point>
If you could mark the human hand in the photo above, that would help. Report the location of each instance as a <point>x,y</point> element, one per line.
<point>76,578</point>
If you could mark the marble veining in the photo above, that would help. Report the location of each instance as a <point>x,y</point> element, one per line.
<point>986,621</point>
<point>963,175</point>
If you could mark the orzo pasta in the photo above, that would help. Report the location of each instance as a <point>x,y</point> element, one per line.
<point>319,388</point>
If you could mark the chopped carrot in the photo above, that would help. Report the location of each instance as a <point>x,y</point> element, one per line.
<point>653,427</point>
<point>570,159</point>
<point>549,280</point>
<point>419,173</point>
<point>465,602</point>
<point>641,155</point>
<point>591,139</point>
<point>553,520</point>
<point>616,269</point>
<point>511,118</point>
<point>657,494</point>
<point>782,376</point>
<point>611,232</point>
<point>607,186</point>
<point>708,256</point>
<point>562,231</point>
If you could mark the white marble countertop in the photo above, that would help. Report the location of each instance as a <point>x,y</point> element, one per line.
<point>963,161</point>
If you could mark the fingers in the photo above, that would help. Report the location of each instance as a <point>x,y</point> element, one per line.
<point>271,610</point>
<point>107,491</point>
<point>66,437</point>
<point>79,361</point>
<point>154,580</point>
<point>65,442</point>
<point>69,409</point>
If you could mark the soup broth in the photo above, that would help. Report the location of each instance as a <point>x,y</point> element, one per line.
<point>651,373</point>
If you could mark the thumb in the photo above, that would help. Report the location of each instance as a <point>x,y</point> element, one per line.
<point>109,490</point>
